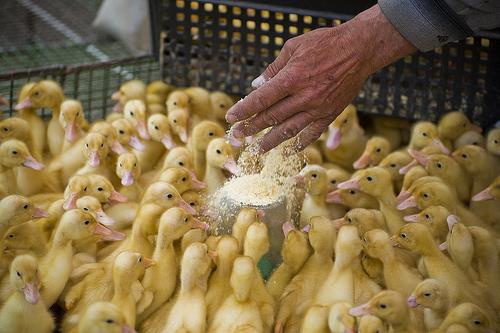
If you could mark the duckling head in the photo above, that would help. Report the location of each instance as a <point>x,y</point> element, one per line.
<point>179,120</point>
<point>295,250</point>
<point>193,199</point>
<point>204,133</point>
<point>128,168</point>
<point>175,222</point>
<point>315,179</point>
<point>15,153</point>
<point>470,138</point>
<point>102,189</point>
<point>77,224</point>
<point>15,128</point>
<point>159,129</point>
<point>133,89</point>
<point>160,89</point>
<point>492,192</point>
<point>165,195</point>
<point>493,141</point>
<point>135,111</point>
<point>127,134</point>
<point>71,118</point>
<point>95,149</point>
<point>440,165</point>
<point>227,250</point>
<point>195,266</point>
<point>469,315</point>
<point>178,100</point>
<point>44,94</point>
<point>434,193</point>
<point>336,176</point>
<point>339,319</point>
<point>104,317</point>
<point>371,324</point>
<point>179,156</point>
<point>454,124</point>
<point>316,319</point>
<point>414,237</point>
<point>374,181</point>
<point>351,198</point>
<point>376,243</point>
<point>244,219</point>
<point>181,178</point>
<point>376,149</point>
<point>128,267</point>
<point>471,158</point>
<point>425,134</point>
<point>256,242</point>
<point>221,102</point>
<point>388,305</point>
<point>111,135</point>
<point>322,235</point>
<point>341,125</point>
<point>25,277</point>
<point>220,154</point>
<point>362,218</point>
<point>242,278</point>
<point>430,293</point>
<point>18,209</point>
<point>410,177</point>
<point>395,161</point>
<point>24,92</point>
<point>78,185</point>
<point>91,205</point>
<point>435,218</point>
<point>18,237</point>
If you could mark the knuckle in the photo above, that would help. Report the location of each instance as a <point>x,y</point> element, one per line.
<point>269,119</point>
<point>260,101</point>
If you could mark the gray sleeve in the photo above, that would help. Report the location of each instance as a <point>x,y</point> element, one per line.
<point>428,24</point>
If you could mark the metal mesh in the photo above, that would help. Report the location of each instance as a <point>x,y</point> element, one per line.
<point>226,44</point>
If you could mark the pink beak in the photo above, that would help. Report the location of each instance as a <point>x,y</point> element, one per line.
<point>117,108</point>
<point>338,223</point>
<point>94,159</point>
<point>103,218</point>
<point>38,213</point>
<point>142,129</point>
<point>452,220</point>
<point>287,227</point>
<point>135,143</point>
<point>70,132</point>
<point>404,170</point>
<point>212,255</point>
<point>31,293</point>
<point>26,103</point>
<point>197,185</point>
<point>361,310</point>
<point>168,142</point>
<point>200,225</point>
<point>443,246</point>
<point>483,195</point>
<point>230,165</point>
<point>116,96</point>
<point>411,218</point>
<point>117,197</point>
<point>306,228</point>
<point>128,329</point>
<point>412,301</point>
<point>30,162</point>
<point>362,162</point>
<point>334,137</point>
<point>70,203</point>
<point>439,143</point>
<point>127,179</point>
<point>408,203</point>
<point>349,184</point>
<point>184,205</point>
<point>402,196</point>
<point>118,148</point>
<point>183,135</point>
<point>418,156</point>
<point>334,197</point>
<point>108,234</point>
<point>148,262</point>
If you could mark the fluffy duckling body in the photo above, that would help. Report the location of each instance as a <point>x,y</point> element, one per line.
<point>72,120</point>
<point>432,295</point>
<point>133,89</point>
<point>493,141</point>
<point>316,186</point>
<point>103,317</point>
<point>363,219</point>
<point>239,312</point>
<point>391,129</point>
<point>371,324</point>
<point>339,319</point>
<point>202,135</point>
<point>129,172</point>
<point>470,316</point>
<point>452,125</point>
<point>219,156</point>
<point>376,149</point>
<point>315,320</point>
<point>245,218</point>
<point>24,311</point>
<point>460,246</point>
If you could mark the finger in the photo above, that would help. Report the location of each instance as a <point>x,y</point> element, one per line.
<point>273,116</point>
<point>261,99</point>
<point>284,131</point>
<point>278,64</point>
<point>311,133</point>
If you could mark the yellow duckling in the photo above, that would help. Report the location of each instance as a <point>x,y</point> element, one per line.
<point>410,177</point>
<point>110,134</point>
<point>426,134</point>
<point>194,199</point>
<point>156,96</point>
<point>432,295</point>
<point>133,89</point>
<point>96,151</point>
<point>312,155</point>
<point>470,138</point>
<point>339,319</point>
<point>352,198</point>
<point>390,306</point>
<point>182,179</point>
<point>493,142</point>
<point>159,129</point>
<point>129,171</point>
<point>78,186</point>
<point>376,149</point>
<point>177,99</point>
<point>219,156</point>
<point>363,219</point>
<point>200,104</point>
<point>15,210</point>
<point>220,102</point>
<point>36,124</point>
<point>316,186</point>
<point>72,120</point>
<point>492,192</point>
<point>180,123</point>
<point>295,252</point>
<point>19,129</point>
<point>24,311</point>
<point>92,205</point>
<point>239,312</point>
<point>299,293</point>
<point>315,320</point>
<point>189,310</point>
<point>392,163</point>
<point>128,267</point>
<point>103,317</point>
<point>160,280</point>
<point>217,292</point>
<point>127,136</point>
<point>346,139</point>
<point>470,316</point>
<point>203,134</point>
<point>435,218</point>
<point>135,112</point>
<point>452,125</point>
<point>336,176</point>
<point>245,218</point>
<point>47,94</point>
<point>397,275</point>
<point>371,324</point>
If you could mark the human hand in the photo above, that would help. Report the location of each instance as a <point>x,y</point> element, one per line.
<point>315,76</point>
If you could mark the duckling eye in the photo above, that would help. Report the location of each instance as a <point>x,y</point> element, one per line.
<point>36,93</point>
<point>181,163</point>
<point>170,196</point>
<point>378,150</point>
<point>427,216</point>
<point>100,189</point>
<point>87,145</point>
<point>135,164</point>
<point>352,192</point>
<point>345,121</point>
<point>392,165</point>
<point>102,145</point>
<point>382,306</point>
<point>121,131</point>
<point>222,106</point>
<point>132,114</point>
<point>85,209</point>
<point>439,165</point>
<point>140,259</point>
<point>11,236</point>
<point>85,189</point>
<point>427,294</point>
<point>314,175</point>
<point>121,164</point>
<point>87,222</point>
<point>185,220</point>
<point>477,322</point>
<point>175,103</point>
<point>425,195</point>
<point>464,156</point>
<point>369,178</point>
<point>14,152</point>
<point>349,220</point>
<point>218,151</point>
<point>183,179</point>
<point>464,125</point>
<point>5,129</point>
<point>495,141</point>
<point>403,235</point>
<point>175,120</point>
<point>18,274</point>
<point>192,204</point>
<point>110,321</point>
<point>77,114</point>
<point>25,206</point>
<point>424,134</point>
<point>333,181</point>
<point>210,133</point>
<point>156,127</point>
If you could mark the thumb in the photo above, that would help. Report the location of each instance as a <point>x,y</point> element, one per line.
<point>273,68</point>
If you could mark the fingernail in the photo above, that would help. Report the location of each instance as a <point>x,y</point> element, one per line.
<point>259,81</point>
<point>230,118</point>
<point>237,133</point>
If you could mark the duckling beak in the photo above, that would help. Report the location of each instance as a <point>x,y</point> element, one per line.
<point>443,246</point>
<point>70,203</point>
<point>117,108</point>
<point>108,234</point>
<point>361,310</point>
<point>334,197</point>
<point>452,220</point>
<point>483,195</point>
<point>402,196</point>
<point>338,223</point>
<point>411,218</point>
<point>118,148</point>
<point>168,142</point>
<point>408,203</point>
<point>197,224</point>
<point>103,218</point>
<point>116,96</point>
<point>26,103</point>
<point>128,329</point>
<point>30,162</point>
<point>143,130</point>
<point>438,143</point>
<point>127,178</point>
<point>334,136</point>
<point>418,156</point>
<point>362,162</point>
<point>135,143</point>
<point>287,227</point>
<point>187,207</point>
<point>94,159</point>
<point>349,184</point>
<point>183,135</point>
<point>198,185</point>
<point>70,132</point>
<point>306,228</point>
<point>31,293</point>
<point>39,213</point>
<point>148,262</point>
<point>394,241</point>
<point>230,165</point>
<point>115,197</point>
<point>404,170</point>
<point>412,301</point>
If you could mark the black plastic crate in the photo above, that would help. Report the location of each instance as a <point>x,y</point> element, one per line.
<point>226,44</point>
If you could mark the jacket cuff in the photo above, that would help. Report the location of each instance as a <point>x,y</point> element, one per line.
<point>426,24</point>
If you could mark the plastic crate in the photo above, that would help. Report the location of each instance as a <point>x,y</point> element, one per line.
<point>226,44</point>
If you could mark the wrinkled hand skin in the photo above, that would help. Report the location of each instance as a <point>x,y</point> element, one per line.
<point>315,76</point>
